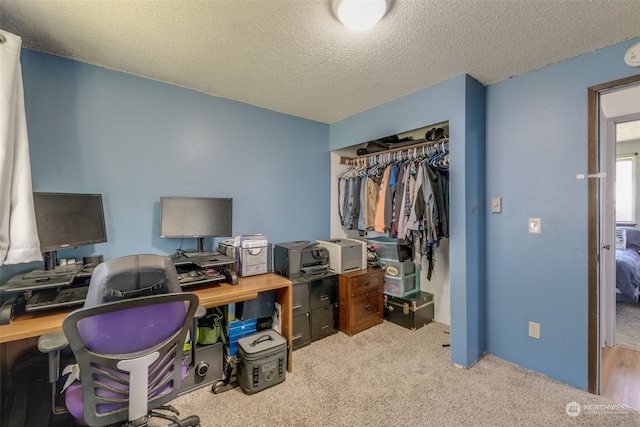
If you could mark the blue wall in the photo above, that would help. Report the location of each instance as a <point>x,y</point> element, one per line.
<point>134,140</point>
<point>536,145</point>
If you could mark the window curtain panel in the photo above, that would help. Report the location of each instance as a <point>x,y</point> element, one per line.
<point>18,233</point>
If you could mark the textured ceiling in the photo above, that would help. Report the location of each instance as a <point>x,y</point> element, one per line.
<point>294,57</point>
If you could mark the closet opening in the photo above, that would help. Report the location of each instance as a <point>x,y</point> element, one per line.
<point>396,189</point>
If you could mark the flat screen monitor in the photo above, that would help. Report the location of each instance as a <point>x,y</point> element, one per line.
<point>68,220</point>
<point>196,217</point>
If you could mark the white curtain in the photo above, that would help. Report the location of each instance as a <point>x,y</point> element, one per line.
<point>18,233</point>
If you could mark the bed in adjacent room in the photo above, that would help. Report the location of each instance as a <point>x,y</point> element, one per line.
<point>627,264</point>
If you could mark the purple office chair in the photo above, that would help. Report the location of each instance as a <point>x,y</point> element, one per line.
<point>128,343</point>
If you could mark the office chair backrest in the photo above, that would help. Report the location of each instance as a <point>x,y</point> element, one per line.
<point>132,276</point>
<point>130,355</point>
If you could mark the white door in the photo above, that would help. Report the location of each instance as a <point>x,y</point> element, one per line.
<point>607,165</point>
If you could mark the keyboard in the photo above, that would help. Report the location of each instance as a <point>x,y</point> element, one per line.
<point>199,254</point>
<point>54,298</point>
<point>208,274</point>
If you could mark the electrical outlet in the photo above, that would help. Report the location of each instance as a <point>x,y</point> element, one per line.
<point>534,330</point>
<point>535,227</point>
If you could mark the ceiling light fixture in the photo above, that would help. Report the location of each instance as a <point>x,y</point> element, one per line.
<point>359,15</point>
<point>632,57</point>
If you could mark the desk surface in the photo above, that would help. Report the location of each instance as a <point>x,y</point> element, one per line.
<point>28,325</point>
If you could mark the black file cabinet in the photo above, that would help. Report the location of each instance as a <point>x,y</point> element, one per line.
<point>323,300</point>
<point>314,309</point>
<point>301,315</point>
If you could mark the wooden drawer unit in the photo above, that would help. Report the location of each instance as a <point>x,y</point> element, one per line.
<point>360,302</point>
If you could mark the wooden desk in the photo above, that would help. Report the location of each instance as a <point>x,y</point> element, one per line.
<point>22,334</point>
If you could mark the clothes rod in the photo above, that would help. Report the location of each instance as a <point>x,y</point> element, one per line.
<point>344,160</point>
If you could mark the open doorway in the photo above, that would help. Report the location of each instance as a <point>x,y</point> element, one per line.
<point>620,310</point>
<point>627,219</point>
<point>614,367</point>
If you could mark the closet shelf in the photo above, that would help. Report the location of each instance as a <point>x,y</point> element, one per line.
<point>418,144</point>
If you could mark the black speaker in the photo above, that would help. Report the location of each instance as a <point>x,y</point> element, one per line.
<point>206,368</point>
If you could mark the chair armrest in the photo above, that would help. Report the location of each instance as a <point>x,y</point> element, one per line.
<point>200,312</point>
<point>51,344</point>
<point>53,341</point>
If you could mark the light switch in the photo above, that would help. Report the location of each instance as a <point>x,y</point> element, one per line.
<point>534,330</point>
<point>496,205</point>
<point>535,227</point>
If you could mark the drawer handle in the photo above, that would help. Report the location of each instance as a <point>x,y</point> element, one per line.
<point>324,297</point>
<point>367,307</point>
<point>367,283</point>
<point>325,326</point>
<point>296,337</point>
<point>296,306</point>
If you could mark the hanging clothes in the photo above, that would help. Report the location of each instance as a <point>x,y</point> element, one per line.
<point>371,192</point>
<point>405,195</point>
<point>389,204</point>
<point>379,223</point>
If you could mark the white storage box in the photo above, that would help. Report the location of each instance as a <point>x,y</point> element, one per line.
<point>251,253</point>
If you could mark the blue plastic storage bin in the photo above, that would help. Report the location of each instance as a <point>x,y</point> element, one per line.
<point>400,278</point>
<point>238,329</point>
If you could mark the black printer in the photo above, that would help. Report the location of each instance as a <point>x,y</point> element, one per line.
<point>300,259</point>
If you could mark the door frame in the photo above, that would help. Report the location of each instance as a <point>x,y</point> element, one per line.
<point>593,233</point>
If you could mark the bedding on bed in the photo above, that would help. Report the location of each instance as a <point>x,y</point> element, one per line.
<point>628,272</point>
<point>628,266</point>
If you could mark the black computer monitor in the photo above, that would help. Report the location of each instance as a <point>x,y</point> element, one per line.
<point>196,217</point>
<point>68,220</point>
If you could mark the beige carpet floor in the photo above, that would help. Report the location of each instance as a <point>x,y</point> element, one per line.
<point>628,324</point>
<point>391,376</point>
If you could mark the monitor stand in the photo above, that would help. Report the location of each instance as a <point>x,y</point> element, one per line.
<point>200,247</point>
<point>50,260</point>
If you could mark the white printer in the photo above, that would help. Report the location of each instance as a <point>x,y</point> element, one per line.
<point>345,254</point>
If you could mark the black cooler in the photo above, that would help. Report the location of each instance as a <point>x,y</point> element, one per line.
<point>262,361</point>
